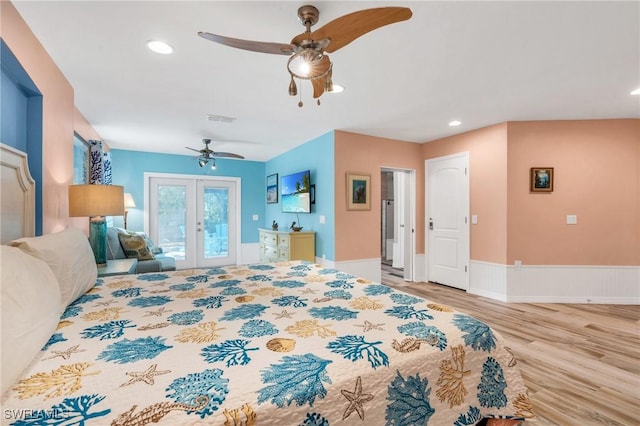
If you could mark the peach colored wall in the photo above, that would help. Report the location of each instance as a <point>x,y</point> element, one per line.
<point>597,177</point>
<point>487,149</point>
<point>59,117</point>
<point>358,232</point>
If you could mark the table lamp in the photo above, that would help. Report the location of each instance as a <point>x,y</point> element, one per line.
<point>128,204</point>
<point>96,201</point>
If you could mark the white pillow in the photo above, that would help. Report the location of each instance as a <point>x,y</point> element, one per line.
<point>30,310</point>
<point>69,255</point>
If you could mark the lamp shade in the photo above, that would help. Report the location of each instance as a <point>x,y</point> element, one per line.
<point>96,200</point>
<point>128,201</point>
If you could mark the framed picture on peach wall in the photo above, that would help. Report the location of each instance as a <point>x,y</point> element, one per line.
<point>541,179</point>
<point>358,191</point>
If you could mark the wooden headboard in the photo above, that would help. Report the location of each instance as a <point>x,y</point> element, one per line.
<point>18,195</point>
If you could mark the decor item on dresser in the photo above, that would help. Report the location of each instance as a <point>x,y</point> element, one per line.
<point>285,245</point>
<point>128,204</point>
<point>150,258</point>
<point>358,191</point>
<point>541,179</point>
<point>96,202</point>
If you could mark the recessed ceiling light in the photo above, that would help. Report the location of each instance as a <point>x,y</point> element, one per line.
<point>337,89</point>
<point>159,47</point>
<point>455,123</point>
<point>636,92</point>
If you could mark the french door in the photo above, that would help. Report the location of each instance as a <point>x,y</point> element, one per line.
<point>195,219</point>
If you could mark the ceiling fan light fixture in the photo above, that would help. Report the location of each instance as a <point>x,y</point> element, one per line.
<point>213,164</point>
<point>335,88</point>
<point>159,47</point>
<point>202,162</point>
<point>293,89</point>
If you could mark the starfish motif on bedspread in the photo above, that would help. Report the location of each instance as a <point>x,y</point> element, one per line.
<point>146,376</point>
<point>158,312</point>
<point>65,354</point>
<point>308,291</point>
<point>356,399</point>
<point>283,314</point>
<point>368,326</point>
<point>105,303</point>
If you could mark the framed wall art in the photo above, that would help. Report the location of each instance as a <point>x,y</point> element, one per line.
<point>358,191</point>
<point>541,179</point>
<point>272,188</point>
<point>81,160</point>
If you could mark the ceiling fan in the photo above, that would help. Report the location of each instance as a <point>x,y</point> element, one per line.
<point>308,59</point>
<point>207,155</point>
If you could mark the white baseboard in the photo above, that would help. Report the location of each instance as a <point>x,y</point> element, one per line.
<point>556,283</point>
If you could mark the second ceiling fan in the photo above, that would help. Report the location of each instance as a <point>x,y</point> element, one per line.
<point>308,59</point>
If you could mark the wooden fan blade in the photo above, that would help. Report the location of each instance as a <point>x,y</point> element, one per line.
<point>254,46</point>
<point>226,154</point>
<point>347,28</point>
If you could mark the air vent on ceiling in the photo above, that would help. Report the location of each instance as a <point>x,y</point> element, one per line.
<point>221,118</point>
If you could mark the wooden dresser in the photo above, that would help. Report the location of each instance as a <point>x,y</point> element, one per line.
<point>284,245</point>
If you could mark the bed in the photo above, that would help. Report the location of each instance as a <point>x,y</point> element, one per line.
<point>291,343</point>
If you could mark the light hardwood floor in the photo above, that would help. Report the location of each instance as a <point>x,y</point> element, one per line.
<point>581,363</point>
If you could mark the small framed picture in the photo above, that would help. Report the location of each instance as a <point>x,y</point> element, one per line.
<point>358,191</point>
<point>541,179</point>
<point>272,188</point>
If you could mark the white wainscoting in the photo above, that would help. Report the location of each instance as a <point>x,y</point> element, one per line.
<point>365,268</point>
<point>250,253</point>
<point>556,283</point>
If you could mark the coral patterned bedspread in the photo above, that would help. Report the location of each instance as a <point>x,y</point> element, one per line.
<point>265,344</point>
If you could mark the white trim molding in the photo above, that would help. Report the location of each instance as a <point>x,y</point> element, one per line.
<point>603,284</point>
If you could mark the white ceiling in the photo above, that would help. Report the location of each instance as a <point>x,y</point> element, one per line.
<point>479,62</point>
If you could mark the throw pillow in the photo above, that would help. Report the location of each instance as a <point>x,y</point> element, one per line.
<point>150,245</point>
<point>134,246</point>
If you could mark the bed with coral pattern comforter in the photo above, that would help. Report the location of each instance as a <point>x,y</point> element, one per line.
<point>265,344</point>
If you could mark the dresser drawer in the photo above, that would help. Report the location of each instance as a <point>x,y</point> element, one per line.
<point>269,238</point>
<point>283,253</point>
<point>268,252</point>
<point>283,240</point>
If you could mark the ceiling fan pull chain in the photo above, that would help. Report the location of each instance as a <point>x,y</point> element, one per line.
<point>300,104</point>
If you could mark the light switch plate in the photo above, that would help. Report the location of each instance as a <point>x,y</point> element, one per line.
<point>474,219</point>
<point>321,218</point>
<point>255,217</point>
<point>572,219</point>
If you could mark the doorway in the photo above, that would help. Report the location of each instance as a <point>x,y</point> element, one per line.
<point>195,219</point>
<point>397,227</point>
<point>447,224</point>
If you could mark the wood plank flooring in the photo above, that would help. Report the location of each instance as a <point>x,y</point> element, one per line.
<point>581,363</point>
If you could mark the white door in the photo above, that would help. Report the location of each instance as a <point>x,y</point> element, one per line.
<point>194,219</point>
<point>447,220</point>
<point>216,228</point>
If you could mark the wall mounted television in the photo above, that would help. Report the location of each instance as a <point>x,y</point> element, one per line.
<point>295,192</point>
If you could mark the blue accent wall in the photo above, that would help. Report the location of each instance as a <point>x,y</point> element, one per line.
<point>317,155</point>
<point>21,118</point>
<point>128,168</point>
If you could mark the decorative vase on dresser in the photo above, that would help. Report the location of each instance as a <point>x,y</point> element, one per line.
<point>284,245</point>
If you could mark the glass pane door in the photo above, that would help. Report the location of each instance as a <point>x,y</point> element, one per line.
<point>172,209</point>
<point>215,226</point>
<point>196,221</point>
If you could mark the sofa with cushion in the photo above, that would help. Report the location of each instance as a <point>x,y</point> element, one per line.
<point>122,244</point>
